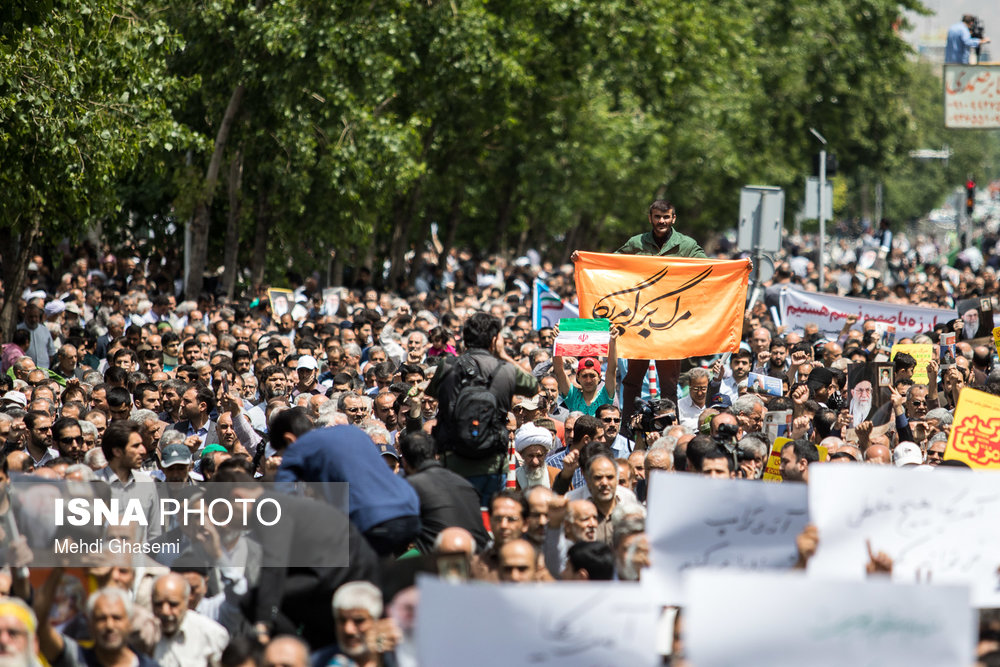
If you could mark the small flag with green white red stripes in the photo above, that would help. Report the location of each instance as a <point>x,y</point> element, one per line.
<point>582,338</point>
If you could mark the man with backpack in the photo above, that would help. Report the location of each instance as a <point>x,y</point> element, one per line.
<point>474,392</point>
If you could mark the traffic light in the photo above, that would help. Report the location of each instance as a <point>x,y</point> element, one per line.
<point>970,196</point>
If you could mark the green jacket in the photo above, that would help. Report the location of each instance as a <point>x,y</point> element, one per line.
<point>677,244</point>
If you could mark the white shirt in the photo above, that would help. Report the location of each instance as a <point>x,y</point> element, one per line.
<point>199,641</point>
<point>689,413</point>
<point>141,486</point>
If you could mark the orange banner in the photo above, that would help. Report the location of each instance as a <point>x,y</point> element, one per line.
<point>975,433</point>
<point>665,307</point>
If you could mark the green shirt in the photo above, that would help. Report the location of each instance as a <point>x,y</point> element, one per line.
<point>676,244</point>
<point>574,400</point>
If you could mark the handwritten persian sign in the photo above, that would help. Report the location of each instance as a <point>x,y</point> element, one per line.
<point>582,338</point>
<point>971,96</point>
<point>799,308</point>
<point>941,522</point>
<point>553,625</point>
<point>922,352</point>
<point>665,307</point>
<point>697,521</point>
<point>975,433</point>
<point>775,620</point>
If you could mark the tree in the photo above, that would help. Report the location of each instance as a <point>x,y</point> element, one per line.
<point>83,91</point>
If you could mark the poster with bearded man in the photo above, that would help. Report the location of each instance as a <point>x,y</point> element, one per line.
<point>863,392</point>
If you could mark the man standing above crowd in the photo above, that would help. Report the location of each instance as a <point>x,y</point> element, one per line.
<point>662,241</point>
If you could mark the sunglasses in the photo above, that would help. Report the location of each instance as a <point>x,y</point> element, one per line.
<point>611,420</point>
<point>68,439</point>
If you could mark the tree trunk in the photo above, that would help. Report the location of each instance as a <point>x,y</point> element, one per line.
<point>398,242</point>
<point>232,245</point>
<point>577,235</point>
<point>450,229</point>
<point>17,247</point>
<point>262,230</point>
<point>201,223</point>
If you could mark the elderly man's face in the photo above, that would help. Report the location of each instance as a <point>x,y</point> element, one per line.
<point>110,623</point>
<point>16,643</point>
<point>916,403</point>
<point>351,627</point>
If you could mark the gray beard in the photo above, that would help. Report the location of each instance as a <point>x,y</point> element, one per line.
<point>859,411</point>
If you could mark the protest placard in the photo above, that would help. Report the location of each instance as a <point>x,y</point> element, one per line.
<point>770,619</point>
<point>772,470</point>
<point>697,521</point>
<point>556,625</point>
<point>922,352</point>
<point>975,433</point>
<point>765,384</point>
<point>941,521</point>
<point>946,347</point>
<point>331,301</point>
<point>777,423</point>
<point>281,301</point>
<point>996,339</point>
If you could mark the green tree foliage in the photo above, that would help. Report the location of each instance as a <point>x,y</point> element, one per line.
<point>84,90</point>
<point>348,128</point>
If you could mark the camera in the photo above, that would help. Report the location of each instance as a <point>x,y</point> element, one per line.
<point>649,420</point>
<point>836,402</point>
<point>726,433</point>
<point>977,30</point>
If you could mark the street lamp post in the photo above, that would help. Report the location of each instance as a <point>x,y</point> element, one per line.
<point>822,217</point>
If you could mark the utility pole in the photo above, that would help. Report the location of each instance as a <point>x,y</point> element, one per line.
<point>822,216</point>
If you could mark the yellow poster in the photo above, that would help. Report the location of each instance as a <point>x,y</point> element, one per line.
<point>922,352</point>
<point>996,338</point>
<point>975,433</point>
<point>772,471</point>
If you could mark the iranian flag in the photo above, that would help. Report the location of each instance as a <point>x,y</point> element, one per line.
<point>582,338</point>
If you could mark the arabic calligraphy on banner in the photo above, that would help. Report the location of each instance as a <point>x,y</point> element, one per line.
<point>971,96</point>
<point>828,312</point>
<point>665,307</point>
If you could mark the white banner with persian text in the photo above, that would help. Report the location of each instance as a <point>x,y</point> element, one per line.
<point>937,524</point>
<point>696,521</point>
<point>829,312</point>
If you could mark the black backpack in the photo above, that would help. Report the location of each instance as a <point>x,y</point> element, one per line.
<point>478,425</point>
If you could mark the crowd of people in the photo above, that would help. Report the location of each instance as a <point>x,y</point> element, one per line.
<point>470,451</point>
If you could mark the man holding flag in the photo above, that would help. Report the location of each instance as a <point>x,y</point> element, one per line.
<point>662,240</point>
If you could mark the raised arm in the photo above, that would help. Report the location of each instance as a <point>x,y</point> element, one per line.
<point>50,641</point>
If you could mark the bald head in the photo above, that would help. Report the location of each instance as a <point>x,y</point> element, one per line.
<point>518,561</point>
<point>455,540</point>
<point>878,454</point>
<point>286,651</point>
<point>170,601</point>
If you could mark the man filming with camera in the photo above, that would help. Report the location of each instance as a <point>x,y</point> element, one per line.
<point>965,35</point>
